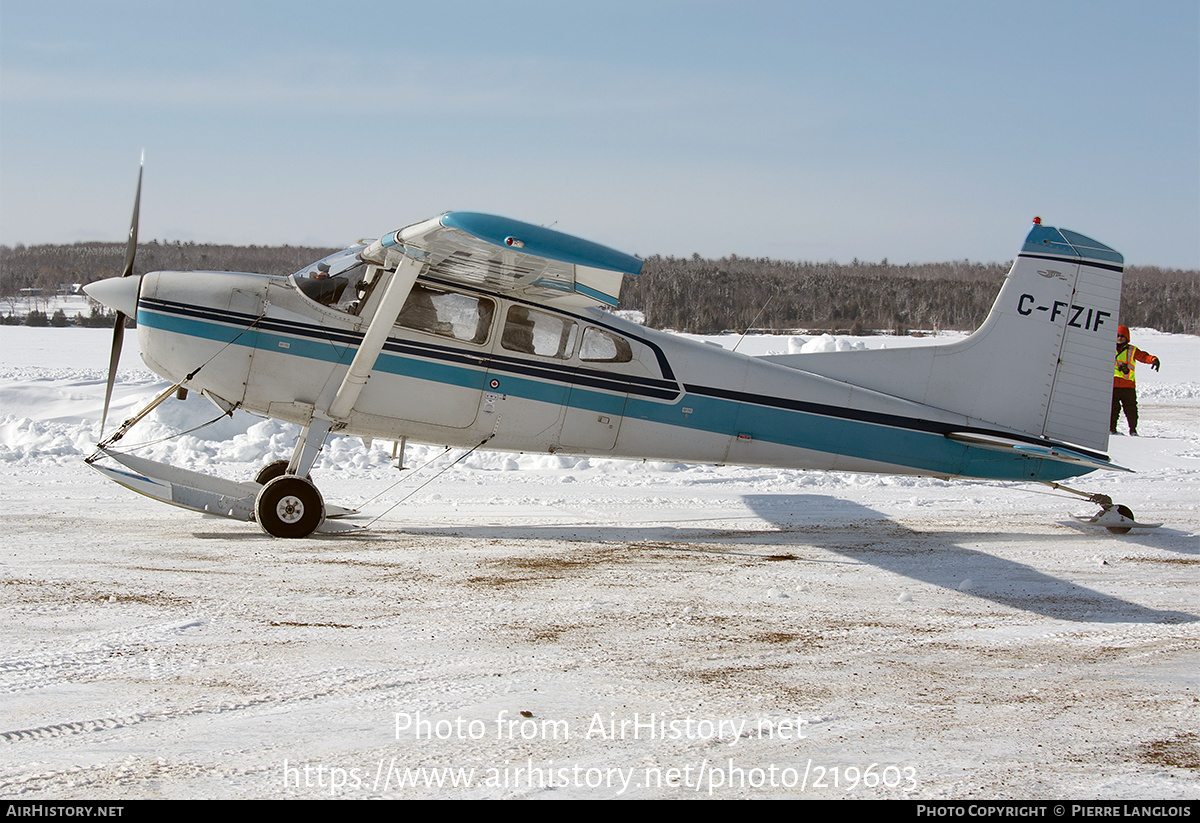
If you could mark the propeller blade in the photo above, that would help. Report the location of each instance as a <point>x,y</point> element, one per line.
<point>113,358</point>
<point>131,244</point>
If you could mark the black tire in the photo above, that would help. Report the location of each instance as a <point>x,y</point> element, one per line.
<point>1125,512</point>
<point>276,468</point>
<point>289,506</point>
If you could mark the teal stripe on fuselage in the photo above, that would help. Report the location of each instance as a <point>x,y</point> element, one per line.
<point>432,371</point>
<point>306,347</point>
<point>927,451</point>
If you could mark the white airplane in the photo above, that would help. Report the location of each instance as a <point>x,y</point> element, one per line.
<point>475,331</point>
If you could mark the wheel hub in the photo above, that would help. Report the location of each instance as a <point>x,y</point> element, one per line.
<point>290,509</point>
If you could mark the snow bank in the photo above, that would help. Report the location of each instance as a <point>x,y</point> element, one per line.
<point>961,639</point>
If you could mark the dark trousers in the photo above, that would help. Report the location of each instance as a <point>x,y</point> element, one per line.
<point>1127,397</point>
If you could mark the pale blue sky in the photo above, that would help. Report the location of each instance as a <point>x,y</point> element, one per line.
<point>914,131</point>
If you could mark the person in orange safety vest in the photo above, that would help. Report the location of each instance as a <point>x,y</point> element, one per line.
<point>1124,382</point>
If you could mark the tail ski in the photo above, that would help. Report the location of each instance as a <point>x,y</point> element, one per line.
<point>1041,363</point>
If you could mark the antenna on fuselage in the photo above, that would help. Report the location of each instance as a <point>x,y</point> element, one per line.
<point>752,322</point>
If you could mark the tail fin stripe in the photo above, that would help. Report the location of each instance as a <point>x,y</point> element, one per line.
<point>1075,261</point>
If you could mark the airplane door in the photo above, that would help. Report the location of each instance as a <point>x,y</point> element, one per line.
<point>433,363</point>
<point>528,380</point>
<point>596,404</point>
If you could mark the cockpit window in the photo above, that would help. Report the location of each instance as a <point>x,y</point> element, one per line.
<point>325,290</point>
<point>326,280</point>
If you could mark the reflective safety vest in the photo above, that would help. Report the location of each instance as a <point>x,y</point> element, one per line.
<point>1128,357</point>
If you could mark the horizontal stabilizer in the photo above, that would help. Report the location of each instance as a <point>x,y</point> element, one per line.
<point>1056,453</point>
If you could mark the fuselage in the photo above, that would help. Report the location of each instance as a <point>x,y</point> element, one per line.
<point>468,366</point>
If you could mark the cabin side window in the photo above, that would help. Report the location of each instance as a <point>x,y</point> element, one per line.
<point>599,346</point>
<point>530,331</point>
<point>449,314</point>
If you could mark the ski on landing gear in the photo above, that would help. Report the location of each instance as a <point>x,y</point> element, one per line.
<point>289,509</point>
<point>1116,519</point>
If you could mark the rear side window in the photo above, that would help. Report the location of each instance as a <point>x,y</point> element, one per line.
<point>599,346</point>
<point>536,332</point>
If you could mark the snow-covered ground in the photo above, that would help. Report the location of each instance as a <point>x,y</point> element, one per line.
<point>537,626</point>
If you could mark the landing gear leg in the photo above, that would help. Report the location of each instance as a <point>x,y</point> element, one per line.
<point>309,446</point>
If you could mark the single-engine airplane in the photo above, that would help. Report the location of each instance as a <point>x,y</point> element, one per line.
<point>472,330</point>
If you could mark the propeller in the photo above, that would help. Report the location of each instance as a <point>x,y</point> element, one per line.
<point>119,326</point>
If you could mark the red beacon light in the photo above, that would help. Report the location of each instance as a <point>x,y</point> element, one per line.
<point>1037,221</point>
<point>514,242</point>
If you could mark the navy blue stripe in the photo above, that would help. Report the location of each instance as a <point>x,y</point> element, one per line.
<point>572,375</point>
<point>1075,261</point>
<point>877,418</point>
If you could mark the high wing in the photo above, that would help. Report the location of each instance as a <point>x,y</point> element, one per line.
<point>509,257</point>
<point>500,255</point>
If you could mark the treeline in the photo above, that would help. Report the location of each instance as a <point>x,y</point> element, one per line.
<point>36,317</point>
<point>734,293</point>
<point>687,294</point>
<point>51,266</point>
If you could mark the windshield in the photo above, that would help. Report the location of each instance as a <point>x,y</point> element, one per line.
<point>339,262</point>
<point>325,281</point>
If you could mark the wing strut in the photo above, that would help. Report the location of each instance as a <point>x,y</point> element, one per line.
<point>368,351</point>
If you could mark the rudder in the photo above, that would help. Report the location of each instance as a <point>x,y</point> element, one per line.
<point>1081,390</point>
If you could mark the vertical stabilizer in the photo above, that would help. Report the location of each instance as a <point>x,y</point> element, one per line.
<point>1042,361</point>
<point>1041,364</point>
